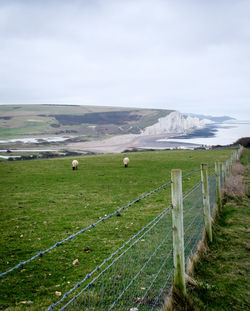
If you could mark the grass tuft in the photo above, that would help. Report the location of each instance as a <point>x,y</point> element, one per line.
<point>180,302</point>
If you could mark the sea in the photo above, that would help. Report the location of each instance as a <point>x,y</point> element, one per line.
<point>216,134</point>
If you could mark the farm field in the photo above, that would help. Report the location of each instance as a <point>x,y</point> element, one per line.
<point>44,201</point>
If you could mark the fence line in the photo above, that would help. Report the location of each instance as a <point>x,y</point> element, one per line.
<point>190,173</point>
<point>97,268</point>
<point>204,224</point>
<point>120,298</point>
<point>163,247</point>
<point>91,226</point>
<point>141,269</point>
<point>139,263</point>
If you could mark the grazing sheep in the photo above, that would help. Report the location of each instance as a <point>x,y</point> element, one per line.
<point>74,164</point>
<point>126,162</point>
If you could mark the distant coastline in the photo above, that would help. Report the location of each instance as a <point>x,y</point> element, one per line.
<point>215,134</point>
<point>208,131</point>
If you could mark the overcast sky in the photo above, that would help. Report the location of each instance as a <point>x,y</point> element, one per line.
<point>188,55</point>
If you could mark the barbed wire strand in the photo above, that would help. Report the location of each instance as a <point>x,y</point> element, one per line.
<point>111,256</point>
<point>114,303</point>
<point>190,173</point>
<point>191,190</point>
<point>93,225</point>
<point>90,283</point>
<point>97,268</point>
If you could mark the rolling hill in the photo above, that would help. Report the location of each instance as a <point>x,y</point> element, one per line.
<point>89,122</point>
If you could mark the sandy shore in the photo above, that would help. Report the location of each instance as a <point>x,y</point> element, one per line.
<point>114,144</point>
<point>118,144</point>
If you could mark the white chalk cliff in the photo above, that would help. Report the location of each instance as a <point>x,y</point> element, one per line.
<point>176,123</point>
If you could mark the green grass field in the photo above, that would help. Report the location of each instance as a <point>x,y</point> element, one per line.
<point>223,270</point>
<point>44,201</point>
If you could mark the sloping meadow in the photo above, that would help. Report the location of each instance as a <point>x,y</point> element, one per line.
<point>44,201</point>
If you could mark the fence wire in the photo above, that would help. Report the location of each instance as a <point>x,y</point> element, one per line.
<point>93,225</point>
<point>138,275</point>
<point>212,192</point>
<point>192,219</point>
<point>134,278</point>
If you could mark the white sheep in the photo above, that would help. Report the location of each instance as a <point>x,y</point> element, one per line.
<point>126,162</point>
<point>74,164</point>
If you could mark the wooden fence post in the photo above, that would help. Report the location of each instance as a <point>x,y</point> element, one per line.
<point>224,173</point>
<point>230,164</point>
<point>228,167</point>
<point>178,232</point>
<point>238,154</point>
<point>206,202</point>
<point>218,185</point>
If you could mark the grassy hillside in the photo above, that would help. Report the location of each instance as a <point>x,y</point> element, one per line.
<point>44,201</point>
<point>223,272</point>
<point>87,121</point>
<point>221,276</point>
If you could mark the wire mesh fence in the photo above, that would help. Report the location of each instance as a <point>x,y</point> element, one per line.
<point>141,275</point>
<point>192,219</point>
<point>138,275</point>
<point>212,192</point>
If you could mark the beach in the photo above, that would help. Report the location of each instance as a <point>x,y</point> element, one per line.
<point>121,143</point>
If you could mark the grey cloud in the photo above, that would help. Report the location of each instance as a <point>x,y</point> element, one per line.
<point>186,55</point>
